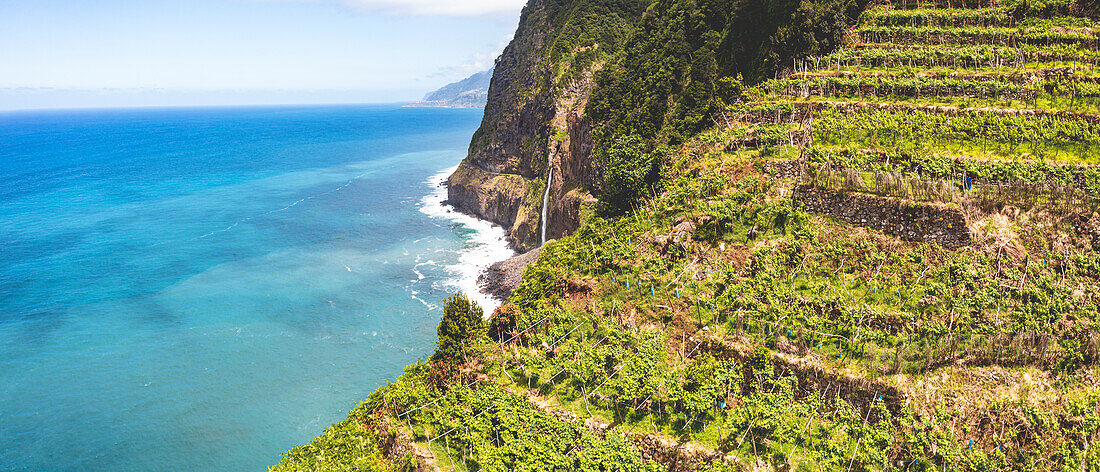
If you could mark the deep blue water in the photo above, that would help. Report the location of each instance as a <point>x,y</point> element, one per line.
<point>201,289</point>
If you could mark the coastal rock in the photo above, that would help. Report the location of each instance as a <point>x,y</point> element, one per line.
<point>501,278</point>
<point>498,198</point>
<point>532,121</point>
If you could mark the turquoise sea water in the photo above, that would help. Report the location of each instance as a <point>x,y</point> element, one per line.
<point>201,289</point>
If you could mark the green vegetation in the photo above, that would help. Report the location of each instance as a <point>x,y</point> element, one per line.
<point>975,35</point>
<point>684,60</point>
<point>961,57</point>
<point>462,322</point>
<point>631,173</point>
<point>586,31</point>
<point>943,17</point>
<point>908,85</point>
<point>346,446</point>
<point>690,57</point>
<point>704,318</point>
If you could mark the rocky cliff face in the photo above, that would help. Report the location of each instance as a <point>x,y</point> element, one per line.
<point>534,119</point>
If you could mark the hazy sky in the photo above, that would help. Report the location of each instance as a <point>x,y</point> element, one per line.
<point>77,53</point>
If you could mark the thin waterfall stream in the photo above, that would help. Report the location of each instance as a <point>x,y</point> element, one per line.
<point>546,203</point>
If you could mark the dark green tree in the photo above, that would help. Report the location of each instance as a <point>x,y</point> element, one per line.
<point>631,173</point>
<point>462,322</point>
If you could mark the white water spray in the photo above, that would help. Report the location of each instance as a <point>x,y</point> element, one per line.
<point>486,246</point>
<point>546,201</point>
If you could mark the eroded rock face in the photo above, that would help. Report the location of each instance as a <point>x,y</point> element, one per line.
<point>494,181</point>
<point>576,173</point>
<point>531,122</point>
<point>497,197</point>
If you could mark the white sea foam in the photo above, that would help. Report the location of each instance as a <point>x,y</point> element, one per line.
<point>416,269</point>
<point>484,247</point>
<point>426,304</point>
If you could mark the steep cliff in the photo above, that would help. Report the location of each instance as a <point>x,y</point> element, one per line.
<point>580,75</point>
<point>534,119</point>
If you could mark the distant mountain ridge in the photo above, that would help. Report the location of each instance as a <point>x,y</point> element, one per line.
<point>471,92</point>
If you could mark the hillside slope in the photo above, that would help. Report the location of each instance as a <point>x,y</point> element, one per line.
<point>471,92</point>
<point>670,62</point>
<point>884,256</point>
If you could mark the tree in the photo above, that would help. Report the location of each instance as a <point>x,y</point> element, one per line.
<point>630,174</point>
<point>462,322</point>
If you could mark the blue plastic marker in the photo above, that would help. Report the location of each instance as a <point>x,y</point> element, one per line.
<point>677,293</point>
<point>628,285</point>
<point>613,279</point>
<point>652,293</point>
<point>788,333</point>
<point>971,445</point>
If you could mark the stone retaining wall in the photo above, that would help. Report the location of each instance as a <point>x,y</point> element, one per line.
<point>678,457</point>
<point>787,169</point>
<point>912,221</point>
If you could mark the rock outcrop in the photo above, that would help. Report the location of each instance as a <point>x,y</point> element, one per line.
<point>504,276</point>
<point>534,118</point>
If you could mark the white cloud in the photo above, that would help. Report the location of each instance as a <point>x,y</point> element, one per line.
<point>480,62</point>
<point>430,7</point>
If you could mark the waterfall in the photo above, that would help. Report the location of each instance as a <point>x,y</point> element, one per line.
<point>546,203</point>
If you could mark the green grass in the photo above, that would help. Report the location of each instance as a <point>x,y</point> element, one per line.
<point>1043,101</point>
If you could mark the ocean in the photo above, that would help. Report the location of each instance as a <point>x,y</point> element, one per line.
<point>201,289</point>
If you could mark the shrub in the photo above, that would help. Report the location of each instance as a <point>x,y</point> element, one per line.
<point>631,172</point>
<point>463,321</point>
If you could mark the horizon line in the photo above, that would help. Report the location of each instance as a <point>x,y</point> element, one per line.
<point>398,103</point>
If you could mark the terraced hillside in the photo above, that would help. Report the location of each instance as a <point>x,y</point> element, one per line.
<point>887,258</point>
<point>984,83</point>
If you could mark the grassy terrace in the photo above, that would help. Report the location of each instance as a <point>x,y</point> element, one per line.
<point>959,57</point>
<point>976,35</point>
<point>938,17</point>
<point>1010,87</point>
<point>1021,75</point>
<point>1008,82</point>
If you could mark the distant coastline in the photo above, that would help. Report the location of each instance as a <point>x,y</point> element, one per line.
<point>440,105</point>
<point>471,92</point>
